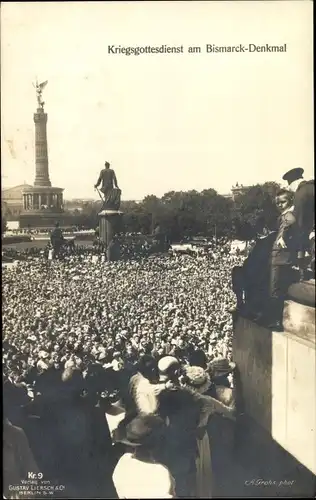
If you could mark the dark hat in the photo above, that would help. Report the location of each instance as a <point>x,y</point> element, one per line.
<point>221,366</point>
<point>293,174</point>
<point>146,364</point>
<point>142,430</point>
<point>15,395</point>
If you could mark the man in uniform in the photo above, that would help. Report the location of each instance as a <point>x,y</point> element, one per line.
<point>303,211</point>
<point>108,180</point>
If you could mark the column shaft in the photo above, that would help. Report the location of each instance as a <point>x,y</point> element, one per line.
<point>41,156</point>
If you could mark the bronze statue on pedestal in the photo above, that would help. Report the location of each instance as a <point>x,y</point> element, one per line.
<point>109,187</point>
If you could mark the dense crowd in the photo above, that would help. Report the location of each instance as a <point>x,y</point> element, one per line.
<point>143,334</point>
<point>98,320</point>
<point>163,304</point>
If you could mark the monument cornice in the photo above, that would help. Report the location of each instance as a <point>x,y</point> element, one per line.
<point>42,189</point>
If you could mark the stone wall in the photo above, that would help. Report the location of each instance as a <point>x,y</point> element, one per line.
<point>277,376</point>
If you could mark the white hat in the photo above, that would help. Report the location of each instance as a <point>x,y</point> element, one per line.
<point>41,365</point>
<point>164,365</point>
<point>43,354</point>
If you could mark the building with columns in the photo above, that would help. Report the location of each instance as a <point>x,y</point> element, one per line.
<point>42,203</point>
<point>12,201</point>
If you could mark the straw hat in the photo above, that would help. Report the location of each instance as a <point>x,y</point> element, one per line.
<point>43,355</point>
<point>197,378</point>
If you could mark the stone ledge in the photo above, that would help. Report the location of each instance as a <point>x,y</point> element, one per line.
<point>276,387</point>
<point>41,213</point>
<point>289,477</point>
<point>303,293</point>
<point>299,321</point>
<point>42,189</point>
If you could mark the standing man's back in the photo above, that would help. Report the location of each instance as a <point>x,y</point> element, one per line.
<point>107,179</point>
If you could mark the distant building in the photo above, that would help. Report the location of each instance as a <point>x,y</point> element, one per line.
<point>236,190</point>
<point>78,204</point>
<point>229,195</point>
<point>239,189</point>
<point>12,200</point>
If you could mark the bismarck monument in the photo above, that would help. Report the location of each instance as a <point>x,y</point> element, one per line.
<point>42,203</point>
<point>110,214</point>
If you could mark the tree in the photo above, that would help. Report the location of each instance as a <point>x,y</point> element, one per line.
<point>254,209</point>
<point>88,216</point>
<point>189,213</point>
<point>128,206</point>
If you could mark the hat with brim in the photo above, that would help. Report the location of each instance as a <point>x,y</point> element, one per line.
<point>197,378</point>
<point>143,430</point>
<point>293,175</point>
<point>221,367</point>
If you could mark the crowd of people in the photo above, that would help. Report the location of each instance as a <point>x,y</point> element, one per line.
<point>115,361</point>
<point>76,329</point>
<point>131,247</point>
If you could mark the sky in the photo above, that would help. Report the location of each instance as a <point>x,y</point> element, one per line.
<point>164,121</point>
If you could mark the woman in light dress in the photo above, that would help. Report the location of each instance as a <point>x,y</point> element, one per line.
<point>197,380</point>
<point>185,410</point>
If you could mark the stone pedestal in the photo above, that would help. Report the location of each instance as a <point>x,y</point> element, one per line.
<point>277,386</point>
<point>303,292</point>
<point>109,225</point>
<point>299,319</point>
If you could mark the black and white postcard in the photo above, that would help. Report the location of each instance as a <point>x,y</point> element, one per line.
<point>158,249</point>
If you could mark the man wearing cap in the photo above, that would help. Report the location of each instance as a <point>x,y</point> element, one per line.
<point>303,211</point>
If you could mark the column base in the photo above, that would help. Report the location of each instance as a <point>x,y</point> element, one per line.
<point>109,224</point>
<point>43,219</point>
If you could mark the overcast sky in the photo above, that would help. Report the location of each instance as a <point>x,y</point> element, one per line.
<point>165,122</point>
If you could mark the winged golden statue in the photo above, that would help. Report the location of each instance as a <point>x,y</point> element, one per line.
<point>39,90</point>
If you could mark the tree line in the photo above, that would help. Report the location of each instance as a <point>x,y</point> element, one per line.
<point>180,214</point>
